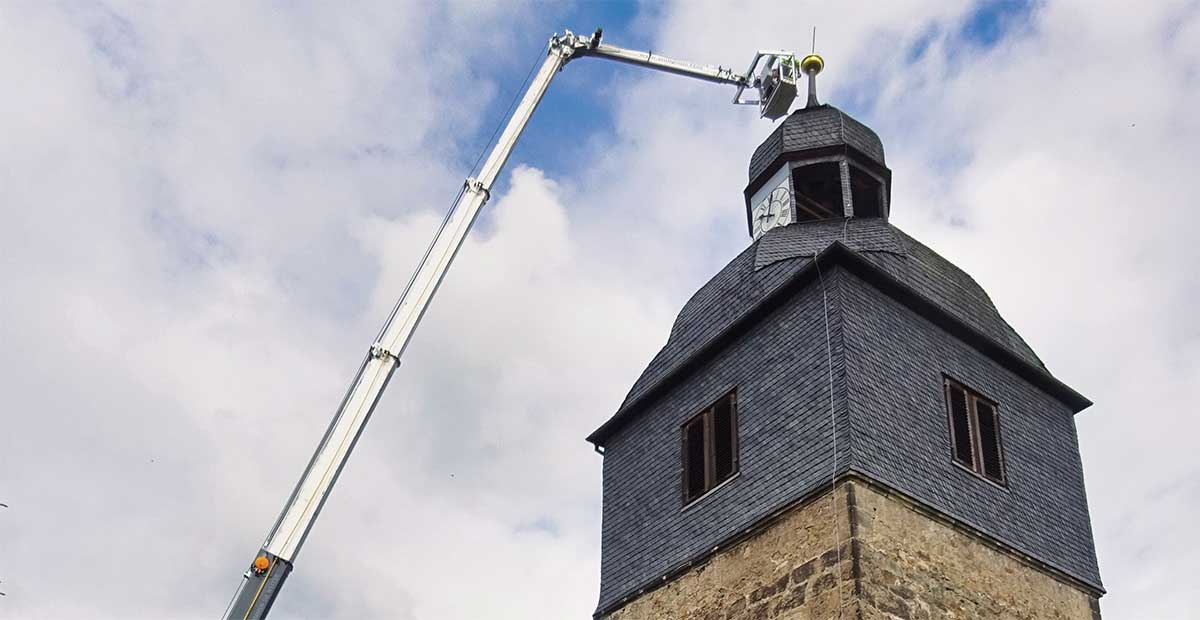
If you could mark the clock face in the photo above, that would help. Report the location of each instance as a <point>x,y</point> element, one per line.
<point>774,210</point>
<point>759,217</point>
<point>771,205</point>
<point>781,206</point>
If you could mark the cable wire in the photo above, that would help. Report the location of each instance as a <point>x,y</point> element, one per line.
<point>837,543</point>
<point>445,220</point>
<point>511,104</point>
<point>462,190</point>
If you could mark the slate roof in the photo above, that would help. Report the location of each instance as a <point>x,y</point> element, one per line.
<point>899,318</point>
<point>767,264</point>
<point>815,128</point>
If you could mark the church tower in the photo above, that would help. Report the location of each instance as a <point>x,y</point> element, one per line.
<point>841,425</point>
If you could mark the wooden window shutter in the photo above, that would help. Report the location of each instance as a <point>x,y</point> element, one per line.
<point>960,425</point>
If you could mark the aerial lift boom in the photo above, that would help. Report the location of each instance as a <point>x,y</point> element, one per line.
<point>776,88</point>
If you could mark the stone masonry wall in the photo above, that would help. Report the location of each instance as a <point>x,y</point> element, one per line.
<point>789,570</point>
<point>891,561</point>
<point>912,566</point>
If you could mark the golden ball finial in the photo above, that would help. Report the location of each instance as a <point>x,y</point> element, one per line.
<point>812,64</point>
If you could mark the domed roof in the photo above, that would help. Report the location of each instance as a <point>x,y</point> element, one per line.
<point>816,127</point>
<point>765,267</point>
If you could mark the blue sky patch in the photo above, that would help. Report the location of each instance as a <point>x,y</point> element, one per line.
<point>992,20</point>
<point>576,107</point>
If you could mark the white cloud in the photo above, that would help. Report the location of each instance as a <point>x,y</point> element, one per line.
<point>206,213</point>
<point>1075,141</point>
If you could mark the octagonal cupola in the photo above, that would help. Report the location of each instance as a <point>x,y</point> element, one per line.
<point>820,163</point>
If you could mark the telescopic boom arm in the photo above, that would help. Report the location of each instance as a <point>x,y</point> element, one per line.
<point>262,581</point>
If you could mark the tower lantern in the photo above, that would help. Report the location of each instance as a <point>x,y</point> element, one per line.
<point>819,164</point>
<point>842,425</point>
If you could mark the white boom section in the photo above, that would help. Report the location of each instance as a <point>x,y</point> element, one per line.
<point>264,578</point>
<point>298,517</point>
<point>720,75</point>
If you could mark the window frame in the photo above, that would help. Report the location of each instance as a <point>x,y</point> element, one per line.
<point>807,172</point>
<point>707,416</point>
<point>869,186</point>
<point>977,466</point>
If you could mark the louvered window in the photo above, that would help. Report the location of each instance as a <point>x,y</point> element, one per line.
<point>710,445</point>
<point>975,431</point>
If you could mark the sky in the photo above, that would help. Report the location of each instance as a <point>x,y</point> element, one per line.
<point>206,210</point>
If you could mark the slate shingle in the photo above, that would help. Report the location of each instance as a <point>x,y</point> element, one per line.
<point>814,128</point>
